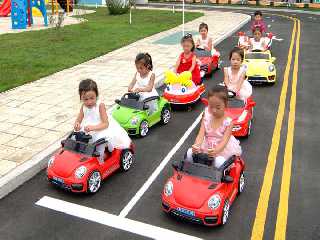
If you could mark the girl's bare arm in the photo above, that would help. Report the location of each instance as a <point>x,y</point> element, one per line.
<point>132,83</point>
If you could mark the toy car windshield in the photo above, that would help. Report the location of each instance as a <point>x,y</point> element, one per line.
<point>257,55</point>
<point>131,100</point>
<point>199,52</point>
<point>201,170</point>
<point>235,103</point>
<point>79,147</point>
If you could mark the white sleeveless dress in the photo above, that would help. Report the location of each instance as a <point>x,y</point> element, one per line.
<point>246,88</point>
<point>257,45</point>
<point>142,83</point>
<point>114,134</point>
<point>203,42</point>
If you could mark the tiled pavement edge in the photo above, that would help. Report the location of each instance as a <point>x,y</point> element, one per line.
<point>36,116</point>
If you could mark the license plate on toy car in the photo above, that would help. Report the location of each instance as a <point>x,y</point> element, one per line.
<point>186,212</point>
<point>58,180</point>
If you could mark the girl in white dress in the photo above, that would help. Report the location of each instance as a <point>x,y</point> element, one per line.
<point>143,80</point>
<point>258,42</point>
<point>94,120</point>
<point>234,76</point>
<point>204,41</point>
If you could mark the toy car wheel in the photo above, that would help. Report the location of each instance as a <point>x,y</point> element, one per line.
<point>165,115</point>
<point>241,183</point>
<point>94,182</point>
<point>225,212</point>
<point>144,128</point>
<point>126,159</point>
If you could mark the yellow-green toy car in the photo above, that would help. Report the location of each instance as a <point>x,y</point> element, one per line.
<point>260,67</point>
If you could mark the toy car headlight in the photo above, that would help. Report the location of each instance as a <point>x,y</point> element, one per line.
<point>134,120</point>
<point>242,116</point>
<point>168,188</point>
<point>271,68</point>
<point>214,202</point>
<point>80,172</point>
<point>51,161</point>
<point>183,89</point>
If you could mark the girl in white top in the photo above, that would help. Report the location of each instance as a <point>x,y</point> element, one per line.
<point>94,120</point>
<point>143,80</point>
<point>204,41</point>
<point>257,42</point>
<point>234,76</point>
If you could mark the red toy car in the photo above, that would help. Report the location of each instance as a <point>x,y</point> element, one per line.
<point>200,193</point>
<point>241,113</point>
<point>76,166</point>
<point>209,60</point>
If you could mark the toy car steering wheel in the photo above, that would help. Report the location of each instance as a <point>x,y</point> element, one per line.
<point>231,94</point>
<point>132,95</point>
<point>81,136</point>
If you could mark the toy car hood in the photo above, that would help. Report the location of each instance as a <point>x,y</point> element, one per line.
<point>233,113</point>
<point>66,162</point>
<point>191,191</point>
<point>257,67</point>
<point>123,114</point>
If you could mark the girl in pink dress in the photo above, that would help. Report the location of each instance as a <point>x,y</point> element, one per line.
<point>234,76</point>
<point>215,135</point>
<point>187,59</point>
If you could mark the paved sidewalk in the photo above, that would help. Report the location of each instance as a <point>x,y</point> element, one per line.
<point>35,116</point>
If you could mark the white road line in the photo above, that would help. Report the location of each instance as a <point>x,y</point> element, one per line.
<point>111,220</point>
<point>156,172</point>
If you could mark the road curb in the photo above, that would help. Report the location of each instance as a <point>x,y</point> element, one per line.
<point>38,162</point>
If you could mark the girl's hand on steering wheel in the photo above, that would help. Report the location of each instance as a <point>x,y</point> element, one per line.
<point>195,148</point>
<point>77,126</point>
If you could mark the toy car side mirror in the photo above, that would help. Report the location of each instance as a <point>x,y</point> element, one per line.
<point>175,165</point>
<point>145,107</point>
<point>117,101</point>
<point>273,59</point>
<point>96,154</point>
<point>227,179</point>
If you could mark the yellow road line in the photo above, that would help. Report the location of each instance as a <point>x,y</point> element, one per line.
<point>262,207</point>
<point>281,225</point>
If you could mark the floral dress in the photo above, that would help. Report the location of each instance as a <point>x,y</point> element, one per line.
<point>214,136</point>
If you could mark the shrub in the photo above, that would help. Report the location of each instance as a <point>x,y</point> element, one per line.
<point>117,7</point>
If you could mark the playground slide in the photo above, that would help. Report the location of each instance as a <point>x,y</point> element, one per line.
<point>5,8</point>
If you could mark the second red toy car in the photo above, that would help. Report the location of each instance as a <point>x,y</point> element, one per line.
<point>76,166</point>
<point>209,61</point>
<point>200,193</point>
<point>241,112</point>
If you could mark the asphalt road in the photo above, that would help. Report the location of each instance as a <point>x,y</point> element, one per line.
<point>20,218</point>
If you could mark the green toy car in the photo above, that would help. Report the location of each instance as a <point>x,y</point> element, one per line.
<point>135,116</point>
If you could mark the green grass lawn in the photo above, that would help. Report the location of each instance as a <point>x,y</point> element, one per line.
<point>28,56</point>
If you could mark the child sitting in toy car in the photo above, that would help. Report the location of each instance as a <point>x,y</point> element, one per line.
<point>258,42</point>
<point>94,120</point>
<point>258,22</point>
<point>215,134</point>
<point>187,59</point>
<point>143,80</point>
<point>204,41</point>
<point>234,76</point>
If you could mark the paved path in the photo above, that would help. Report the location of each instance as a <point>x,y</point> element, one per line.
<point>37,115</point>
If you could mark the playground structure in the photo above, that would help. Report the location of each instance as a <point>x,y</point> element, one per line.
<point>23,11</point>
